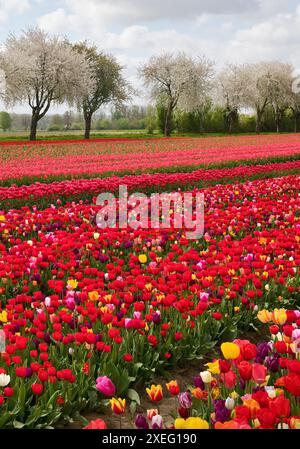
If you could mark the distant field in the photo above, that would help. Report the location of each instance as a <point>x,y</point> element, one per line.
<point>65,160</point>
<point>45,135</point>
<point>113,133</point>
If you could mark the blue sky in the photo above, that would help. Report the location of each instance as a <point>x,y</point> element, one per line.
<point>225,31</point>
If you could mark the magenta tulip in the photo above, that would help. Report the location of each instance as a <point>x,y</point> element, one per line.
<point>105,386</point>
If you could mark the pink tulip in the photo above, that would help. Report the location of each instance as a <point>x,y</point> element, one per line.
<point>105,386</point>
<point>259,373</point>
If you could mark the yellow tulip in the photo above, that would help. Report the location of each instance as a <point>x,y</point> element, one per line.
<point>230,351</point>
<point>213,367</point>
<point>264,316</point>
<point>215,392</point>
<point>93,296</point>
<point>3,316</point>
<point>179,423</point>
<point>234,395</point>
<point>196,423</point>
<point>72,283</point>
<point>279,316</point>
<point>142,258</point>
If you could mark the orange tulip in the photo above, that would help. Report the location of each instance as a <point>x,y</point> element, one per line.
<point>155,393</point>
<point>227,425</point>
<point>253,407</point>
<point>200,394</point>
<point>173,387</point>
<point>118,405</point>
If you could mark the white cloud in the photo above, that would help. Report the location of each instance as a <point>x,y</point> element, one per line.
<point>135,29</point>
<point>277,38</point>
<point>11,7</point>
<point>129,12</point>
<point>231,30</point>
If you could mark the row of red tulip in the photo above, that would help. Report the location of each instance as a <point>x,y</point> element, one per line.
<point>97,185</point>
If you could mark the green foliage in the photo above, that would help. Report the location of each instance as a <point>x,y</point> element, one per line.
<point>5,121</point>
<point>55,128</point>
<point>77,126</point>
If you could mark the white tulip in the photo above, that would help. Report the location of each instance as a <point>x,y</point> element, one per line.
<point>4,380</point>
<point>157,421</point>
<point>206,377</point>
<point>229,403</point>
<point>283,426</point>
<point>271,392</point>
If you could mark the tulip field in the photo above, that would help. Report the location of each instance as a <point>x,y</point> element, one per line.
<point>97,322</point>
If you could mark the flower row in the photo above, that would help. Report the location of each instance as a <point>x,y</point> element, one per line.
<point>157,180</point>
<point>55,159</point>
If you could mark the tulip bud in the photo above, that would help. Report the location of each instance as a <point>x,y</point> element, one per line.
<point>141,422</point>
<point>229,403</point>
<point>152,412</point>
<point>157,422</point>
<point>206,377</point>
<point>185,400</point>
<point>183,412</point>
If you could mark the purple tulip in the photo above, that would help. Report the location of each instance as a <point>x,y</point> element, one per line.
<point>198,382</point>
<point>141,422</point>
<point>156,318</point>
<point>185,400</point>
<point>222,413</point>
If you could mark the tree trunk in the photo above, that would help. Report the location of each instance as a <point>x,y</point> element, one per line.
<point>230,122</point>
<point>258,122</point>
<point>88,123</point>
<point>167,131</point>
<point>201,123</point>
<point>278,120</point>
<point>33,126</point>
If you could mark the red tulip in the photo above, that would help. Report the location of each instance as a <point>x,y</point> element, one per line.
<point>245,370</point>
<point>280,406</point>
<point>37,389</point>
<point>259,373</point>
